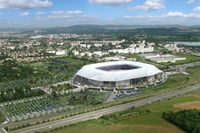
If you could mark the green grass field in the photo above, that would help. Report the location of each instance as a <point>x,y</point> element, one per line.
<point>189,59</point>
<point>146,119</point>
<point>150,121</point>
<point>2,119</point>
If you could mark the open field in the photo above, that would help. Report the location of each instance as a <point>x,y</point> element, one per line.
<point>114,115</point>
<point>147,119</point>
<point>189,59</point>
<point>188,105</point>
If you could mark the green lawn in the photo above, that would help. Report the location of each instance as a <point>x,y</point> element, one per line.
<point>195,74</point>
<point>180,80</point>
<point>189,59</point>
<point>2,119</point>
<point>150,121</point>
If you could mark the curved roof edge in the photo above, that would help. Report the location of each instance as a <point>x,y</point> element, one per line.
<point>91,72</point>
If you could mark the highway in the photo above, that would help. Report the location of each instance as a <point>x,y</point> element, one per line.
<point>109,110</point>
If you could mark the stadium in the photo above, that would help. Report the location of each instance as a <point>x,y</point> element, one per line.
<point>118,73</point>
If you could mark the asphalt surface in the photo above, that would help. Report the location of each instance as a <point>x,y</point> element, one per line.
<point>182,68</point>
<point>109,110</point>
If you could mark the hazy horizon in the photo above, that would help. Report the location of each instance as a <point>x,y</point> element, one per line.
<point>56,13</point>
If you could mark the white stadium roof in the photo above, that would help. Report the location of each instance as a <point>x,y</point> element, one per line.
<point>117,71</point>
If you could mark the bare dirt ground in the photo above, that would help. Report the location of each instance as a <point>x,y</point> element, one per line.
<point>144,128</point>
<point>188,105</point>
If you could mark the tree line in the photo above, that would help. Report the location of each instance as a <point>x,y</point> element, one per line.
<point>188,120</point>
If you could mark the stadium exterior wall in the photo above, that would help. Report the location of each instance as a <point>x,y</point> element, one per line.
<point>140,74</point>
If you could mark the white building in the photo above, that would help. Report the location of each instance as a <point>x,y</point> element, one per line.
<point>61,52</point>
<point>160,58</point>
<point>116,73</point>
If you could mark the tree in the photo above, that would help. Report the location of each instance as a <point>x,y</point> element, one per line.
<point>54,95</point>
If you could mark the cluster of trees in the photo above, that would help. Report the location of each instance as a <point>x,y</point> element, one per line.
<point>3,56</point>
<point>17,90</point>
<point>12,70</point>
<point>188,120</point>
<point>192,48</point>
<point>86,97</point>
<point>115,117</point>
<point>62,87</point>
<point>104,48</point>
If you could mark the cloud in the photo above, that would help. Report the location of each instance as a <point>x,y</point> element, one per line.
<point>181,14</point>
<point>18,4</point>
<point>162,19</point>
<point>175,14</point>
<point>150,5</point>
<point>66,14</point>
<point>142,17</point>
<point>197,8</point>
<point>24,14</point>
<point>64,18</point>
<point>171,15</point>
<point>40,13</point>
<point>110,2</point>
<point>191,1</point>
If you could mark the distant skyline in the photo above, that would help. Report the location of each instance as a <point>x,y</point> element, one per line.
<point>55,13</point>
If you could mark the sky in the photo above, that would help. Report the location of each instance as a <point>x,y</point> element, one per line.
<point>59,13</point>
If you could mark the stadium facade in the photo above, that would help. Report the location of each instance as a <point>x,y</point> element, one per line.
<point>118,73</point>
